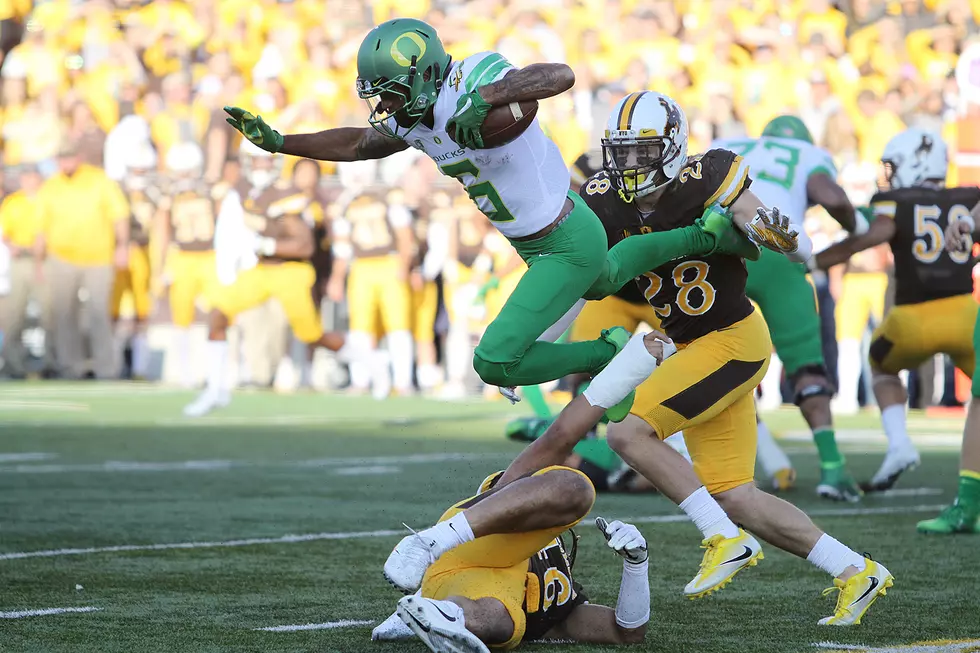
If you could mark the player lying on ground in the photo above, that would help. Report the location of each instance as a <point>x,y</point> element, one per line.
<point>517,585</point>
<point>791,173</point>
<point>964,515</point>
<point>934,308</point>
<point>522,186</point>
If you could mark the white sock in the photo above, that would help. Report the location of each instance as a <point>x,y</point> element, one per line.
<point>400,349</point>
<point>770,456</point>
<point>358,347</point>
<point>707,515</point>
<point>893,421</point>
<point>848,371</point>
<point>628,369</point>
<point>182,347</point>
<point>771,384</point>
<point>679,444</point>
<point>833,557</point>
<point>428,376</point>
<point>633,606</point>
<point>141,354</point>
<point>217,360</point>
<point>449,534</point>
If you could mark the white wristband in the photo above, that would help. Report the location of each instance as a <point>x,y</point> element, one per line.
<point>633,606</point>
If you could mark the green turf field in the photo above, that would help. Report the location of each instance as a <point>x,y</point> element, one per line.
<point>280,510</point>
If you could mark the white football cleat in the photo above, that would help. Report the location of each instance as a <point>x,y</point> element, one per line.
<point>408,561</point>
<point>440,625</point>
<point>894,464</point>
<point>391,629</point>
<point>206,402</point>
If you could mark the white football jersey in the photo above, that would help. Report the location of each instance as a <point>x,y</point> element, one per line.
<point>780,168</point>
<point>521,186</point>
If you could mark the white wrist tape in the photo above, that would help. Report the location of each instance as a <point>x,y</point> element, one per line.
<point>627,370</point>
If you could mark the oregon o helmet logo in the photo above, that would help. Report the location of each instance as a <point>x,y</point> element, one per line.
<point>402,52</point>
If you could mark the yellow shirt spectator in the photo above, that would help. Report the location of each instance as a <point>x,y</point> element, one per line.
<point>79,214</point>
<point>179,123</point>
<point>20,219</point>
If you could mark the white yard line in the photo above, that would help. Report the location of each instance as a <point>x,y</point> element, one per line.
<point>224,465</point>
<point>20,614</point>
<point>26,457</point>
<point>373,470</point>
<point>55,406</point>
<point>346,623</point>
<point>942,646</point>
<point>313,537</point>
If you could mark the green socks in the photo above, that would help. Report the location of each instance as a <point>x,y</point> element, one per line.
<point>827,448</point>
<point>536,398</point>
<point>968,495</point>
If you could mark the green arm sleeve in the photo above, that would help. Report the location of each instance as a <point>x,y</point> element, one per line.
<point>638,254</point>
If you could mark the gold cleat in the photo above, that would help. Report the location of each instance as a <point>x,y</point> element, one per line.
<point>784,479</point>
<point>723,558</point>
<point>857,594</point>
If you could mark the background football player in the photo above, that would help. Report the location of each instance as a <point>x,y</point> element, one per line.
<point>793,174</point>
<point>379,299</point>
<point>186,244</point>
<point>517,584</point>
<point>264,244</point>
<point>146,201</point>
<point>934,308</point>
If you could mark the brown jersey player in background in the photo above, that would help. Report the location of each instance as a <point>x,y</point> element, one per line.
<point>934,309</point>
<point>146,200</point>
<point>373,251</point>
<point>264,241</point>
<point>187,245</point>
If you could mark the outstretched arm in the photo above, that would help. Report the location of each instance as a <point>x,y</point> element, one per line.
<point>759,223</point>
<point>535,82</point>
<point>342,144</point>
<point>880,231</point>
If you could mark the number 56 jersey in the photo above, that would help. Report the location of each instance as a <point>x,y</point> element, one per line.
<point>693,295</point>
<point>924,269</point>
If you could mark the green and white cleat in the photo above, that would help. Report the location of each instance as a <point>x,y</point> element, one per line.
<point>837,484</point>
<point>953,519</point>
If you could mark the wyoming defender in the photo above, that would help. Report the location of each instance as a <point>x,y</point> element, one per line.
<point>510,579</point>
<point>426,266</point>
<point>372,241</point>
<point>265,242</point>
<point>146,203</point>
<point>934,308</point>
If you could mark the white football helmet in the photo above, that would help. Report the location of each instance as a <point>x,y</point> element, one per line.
<point>645,144</point>
<point>914,157</point>
<point>185,159</point>
<point>260,168</point>
<point>141,162</point>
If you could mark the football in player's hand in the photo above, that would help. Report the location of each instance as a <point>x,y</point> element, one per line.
<point>504,123</point>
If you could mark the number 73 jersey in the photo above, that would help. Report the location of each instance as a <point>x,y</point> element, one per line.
<point>924,268</point>
<point>693,295</point>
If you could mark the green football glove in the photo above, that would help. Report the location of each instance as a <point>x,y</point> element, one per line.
<point>729,239</point>
<point>254,129</point>
<point>471,110</point>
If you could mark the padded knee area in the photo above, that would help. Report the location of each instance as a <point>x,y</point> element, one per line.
<point>490,373</point>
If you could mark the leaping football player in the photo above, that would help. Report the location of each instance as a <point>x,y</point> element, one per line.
<point>934,308</point>
<point>517,585</point>
<point>791,173</point>
<point>704,389</point>
<point>420,96</point>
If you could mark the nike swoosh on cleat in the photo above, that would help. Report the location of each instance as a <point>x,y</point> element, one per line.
<point>453,619</point>
<point>745,556</point>
<point>874,585</point>
<point>416,620</point>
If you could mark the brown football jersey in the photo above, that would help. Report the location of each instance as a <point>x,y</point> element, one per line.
<point>371,230</point>
<point>193,212</point>
<point>693,295</point>
<point>924,268</point>
<point>143,206</point>
<point>266,210</point>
